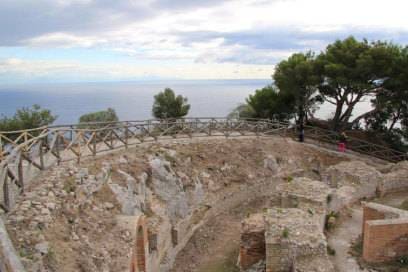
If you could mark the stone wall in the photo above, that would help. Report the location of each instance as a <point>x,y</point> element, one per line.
<point>141,247</point>
<point>294,239</point>
<point>252,245</point>
<point>385,233</point>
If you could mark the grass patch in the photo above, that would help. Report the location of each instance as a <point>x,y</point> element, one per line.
<point>331,219</point>
<point>404,205</point>
<point>285,233</point>
<point>70,185</point>
<point>356,248</point>
<point>331,251</point>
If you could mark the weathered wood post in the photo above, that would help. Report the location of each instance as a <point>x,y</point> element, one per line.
<point>41,154</point>
<point>126,134</point>
<point>20,171</point>
<point>1,148</point>
<point>57,152</point>
<point>94,143</point>
<point>6,197</point>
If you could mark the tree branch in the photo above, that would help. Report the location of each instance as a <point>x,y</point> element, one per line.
<point>355,121</point>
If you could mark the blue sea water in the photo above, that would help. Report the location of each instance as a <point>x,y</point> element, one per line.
<point>134,100</point>
<point>131,100</point>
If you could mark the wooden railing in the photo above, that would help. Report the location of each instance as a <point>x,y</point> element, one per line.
<point>23,153</point>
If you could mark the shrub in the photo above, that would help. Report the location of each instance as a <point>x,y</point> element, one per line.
<point>285,233</point>
<point>331,251</point>
<point>27,118</point>
<point>168,105</point>
<point>108,115</point>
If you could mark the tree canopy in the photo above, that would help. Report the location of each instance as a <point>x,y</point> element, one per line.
<point>268,102</point>
<point>351,70</point>
<point>346,73</point>
<point>27,118</point>
<point>108,115</point>
<point>296,77</point>
<point>168,105</point>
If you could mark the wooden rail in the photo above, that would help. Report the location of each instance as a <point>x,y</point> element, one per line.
<point>21,152</point>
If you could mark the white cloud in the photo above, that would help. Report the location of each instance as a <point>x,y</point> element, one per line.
<point>84,71</point>
<point>199,36</point>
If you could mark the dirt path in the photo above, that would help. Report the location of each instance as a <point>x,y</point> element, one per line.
<point>215,246</point>
<point>350,229</point>
<point>342,237</point>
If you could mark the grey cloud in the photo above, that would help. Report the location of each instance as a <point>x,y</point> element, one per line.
<point>255,46</point>
<point>24,19</point>
<point>186,4</point>
<point>289,38</point>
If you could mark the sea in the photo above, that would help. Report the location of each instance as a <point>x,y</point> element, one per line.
<point>131,100</point>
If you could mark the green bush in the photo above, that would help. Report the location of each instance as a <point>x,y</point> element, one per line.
<point>108,115</point>
<point>27,118</point>
<point>285,233</point>
<point>168,105</point>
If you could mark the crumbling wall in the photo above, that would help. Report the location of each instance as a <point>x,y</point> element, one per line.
<point>363,178</point>
<point>252,245</point>
<point>295,239</point>
<point>141,247</point>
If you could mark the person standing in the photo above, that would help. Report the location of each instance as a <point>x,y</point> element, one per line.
<point>342,142</point>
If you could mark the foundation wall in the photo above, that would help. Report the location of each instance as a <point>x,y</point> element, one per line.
<point>385,233</point>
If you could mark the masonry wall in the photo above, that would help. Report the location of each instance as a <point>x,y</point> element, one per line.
<point>370,213</point>
<point>255,252</point>
<point>278,257</point>
<point>385,233</point>
<point>140,251</point>
<point>385,240</point>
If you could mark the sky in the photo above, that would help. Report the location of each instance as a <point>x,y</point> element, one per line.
<point>116,40</point>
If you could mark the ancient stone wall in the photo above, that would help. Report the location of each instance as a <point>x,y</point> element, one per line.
<point>141,248</point>
<point>252,245</point>
<point>385,233</point>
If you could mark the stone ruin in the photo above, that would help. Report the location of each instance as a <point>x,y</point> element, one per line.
<point>158,209</point>
<point>291,236</point>
<point>385,233</point>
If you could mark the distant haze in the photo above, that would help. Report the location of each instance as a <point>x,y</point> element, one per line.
<point>133,100</point>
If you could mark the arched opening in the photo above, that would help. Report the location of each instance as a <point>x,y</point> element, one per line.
<point>140,250</point>
<point>140,247</point>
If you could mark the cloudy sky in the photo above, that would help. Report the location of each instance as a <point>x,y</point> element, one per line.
<point>96,40</point>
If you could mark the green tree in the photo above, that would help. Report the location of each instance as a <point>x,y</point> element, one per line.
<point>168,105</point>
<point>389,118</point>
<point>351,70</point>
<point>269,102</point>
<point>297,77</point>
<point>27,118</point>
<point>108,115</point>
<point>242,111</point>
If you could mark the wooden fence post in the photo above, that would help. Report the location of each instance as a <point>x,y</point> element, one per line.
<point>94,143</point>
<point>20,171</point>
<point>6,196</point>
<point>42,154</point>
<point>126,134</point>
